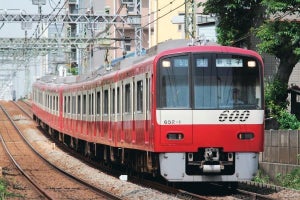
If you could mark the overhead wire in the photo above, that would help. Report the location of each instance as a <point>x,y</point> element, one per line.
<point>160,9</point>
<point>165,14</point>
<point>44,29</point>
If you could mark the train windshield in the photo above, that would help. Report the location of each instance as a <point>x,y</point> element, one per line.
<point>209,81</point>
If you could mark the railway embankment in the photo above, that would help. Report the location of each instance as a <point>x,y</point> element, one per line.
<point>281,152</point>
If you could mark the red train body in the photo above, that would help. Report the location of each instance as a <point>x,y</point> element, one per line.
<point>174,112</point>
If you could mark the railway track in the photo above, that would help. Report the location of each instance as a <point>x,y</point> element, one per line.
<point>49,182</point>
<point>241,193</point>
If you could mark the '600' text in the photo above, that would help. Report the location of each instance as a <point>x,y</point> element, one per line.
<point>234,115</point>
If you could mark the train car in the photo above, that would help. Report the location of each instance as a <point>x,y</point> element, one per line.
<point>188,113</point>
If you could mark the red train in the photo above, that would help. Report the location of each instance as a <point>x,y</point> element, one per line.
<point>188,113</point>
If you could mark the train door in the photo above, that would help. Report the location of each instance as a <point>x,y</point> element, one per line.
<point>128,127</point>
<point>73,116</point>
<point>173,98</point>
<point>98,111</point>
<point>90,113</point>
<point>113,112</point>
<point>79,112</point>
<point>119,136</point>
<point>84,112</point>
<point>139,109</point>
<point>69,112</point>
<point>146,105</point>
<point>106,111</point>
<point>93,110</point>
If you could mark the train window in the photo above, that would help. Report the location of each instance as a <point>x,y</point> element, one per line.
<point>98,103</point>
<point>174,83</point>
<point>147,94</point>
<point>89,105</point>
<point>84,104</point>
<point>106,102</point>
<point>69,104</point>
<point>201,62</point>
<point>44,99</point>
<point>229,62</point>
<point>92,104</point>
<point>127,99</point>
<point>118,99</point>
<point>180,61</point>
<point>65,104</point>
<point>51,103</point>
<point>56,103</point>
<point>223,84</point>
<point>139,96</point>
<point>73,104</point>
<point>113,101</point>
<point>79,104</point>
<point>47,101</point>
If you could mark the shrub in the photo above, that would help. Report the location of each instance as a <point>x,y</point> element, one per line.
<point>288,121</point>
<point>261,178</point>
<point>291,180</point>
<point>275,91</point>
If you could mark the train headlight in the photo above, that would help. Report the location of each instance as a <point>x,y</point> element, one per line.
<point>251,63</point>
<point>166,63</point>
<point>175,136</point>
<point>246,136</point>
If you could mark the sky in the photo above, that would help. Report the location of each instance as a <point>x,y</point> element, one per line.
<point>24,6</point>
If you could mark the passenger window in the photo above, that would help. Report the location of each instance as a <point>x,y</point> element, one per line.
<point>105,111</point>
<point>84,105</point>
<point>69,104</point>
<point>92,104</point>
<point>113,101</point>
<point>79,104</point>
<point>73,104</point>
<point>118,100</point>
<point>98,103</point>
<point>65,104</point>
<point>139,96</point>
<point>127,98</point>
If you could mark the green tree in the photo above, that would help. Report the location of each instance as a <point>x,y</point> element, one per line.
<point>280,36</point>
<point>234,20</point>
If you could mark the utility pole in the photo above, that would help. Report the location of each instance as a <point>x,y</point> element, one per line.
<point>190,19</point>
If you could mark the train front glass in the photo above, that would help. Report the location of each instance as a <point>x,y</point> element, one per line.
<point>209,81</point>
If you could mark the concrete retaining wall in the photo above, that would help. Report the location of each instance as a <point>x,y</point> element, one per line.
<point>281,152</point>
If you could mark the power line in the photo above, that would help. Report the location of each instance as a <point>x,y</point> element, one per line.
<point>170,3</point>
<point>165,14</point>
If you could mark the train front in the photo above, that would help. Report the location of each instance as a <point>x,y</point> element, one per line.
<point>209,117</point>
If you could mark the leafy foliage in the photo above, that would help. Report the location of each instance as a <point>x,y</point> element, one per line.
<point>275,90</point>
<point>279,35</point>
<point>288,120</point>
<point>73,70</point>
<point>291,180</point>
<point>261,178</point>
<point>235,19</point>
<point>4,193</point>
<point>279,38</point>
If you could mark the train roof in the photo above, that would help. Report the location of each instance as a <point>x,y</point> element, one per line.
<point>165,48</point>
